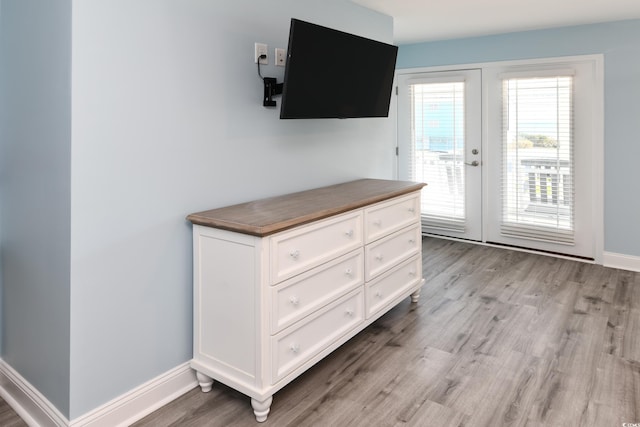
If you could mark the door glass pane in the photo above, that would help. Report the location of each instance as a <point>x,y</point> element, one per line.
<point>537,174</point>
<point>437,126</point>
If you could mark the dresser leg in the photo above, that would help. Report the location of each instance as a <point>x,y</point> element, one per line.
<point>415,295</point>
<point>261,409</point>
<point>205,382</point>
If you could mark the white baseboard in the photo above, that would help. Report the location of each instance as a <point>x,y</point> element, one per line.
<point>37,411</point>
<point>27,401</point>
<point>141,401</point>
<point>624,262</point>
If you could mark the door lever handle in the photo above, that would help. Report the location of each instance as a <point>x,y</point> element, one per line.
<point>474,163</point>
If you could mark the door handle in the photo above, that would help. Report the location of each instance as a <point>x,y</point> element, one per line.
<point>474,163</point>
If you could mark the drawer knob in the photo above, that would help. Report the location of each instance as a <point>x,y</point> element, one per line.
<point>412,273</point>
<point>349,233</point>
<point>379,257</point>
<point>412,210</point>
<point>294,254</point>
<point>350,312</point>
<point>294,300</point>
<point>412,241</point>
<point>378,294</point>
<point>294,347</point>
<point>377,222</point>
<point>348,272</point>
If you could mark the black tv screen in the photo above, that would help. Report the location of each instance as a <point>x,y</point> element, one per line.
<point>333,74</point>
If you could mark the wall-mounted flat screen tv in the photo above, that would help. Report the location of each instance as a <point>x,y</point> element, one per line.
<point>333,74</point>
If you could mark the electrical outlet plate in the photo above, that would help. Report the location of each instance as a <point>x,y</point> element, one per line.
<point>280,57</point>
<point>261,49</point>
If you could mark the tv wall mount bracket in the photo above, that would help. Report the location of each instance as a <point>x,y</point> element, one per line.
<point>271,89</point>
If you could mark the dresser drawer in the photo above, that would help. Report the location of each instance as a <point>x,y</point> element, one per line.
<point>299,343</point>
<point>299,296</point>
<point>389,251</point>
<point>303,248</point>
<point>389,286</point>
<point>387,217</point>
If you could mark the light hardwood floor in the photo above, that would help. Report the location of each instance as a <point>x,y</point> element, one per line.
<point>498,338</point>
<point>9,417</point>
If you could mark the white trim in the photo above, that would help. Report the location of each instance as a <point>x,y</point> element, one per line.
<point>453,77</point>
<point>597,192</point>
<point>507,75</point>
<point>142,400</point>
<point>27,401</point>
<point>515,62</point>
<point>621,261</point>
<point>513,248</point>
<point>37,411</point>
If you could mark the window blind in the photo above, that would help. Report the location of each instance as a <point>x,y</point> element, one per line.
<point>437,152</point>
<point>537,166</point>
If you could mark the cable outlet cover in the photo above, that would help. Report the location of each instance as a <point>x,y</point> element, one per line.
<point>280,57</point>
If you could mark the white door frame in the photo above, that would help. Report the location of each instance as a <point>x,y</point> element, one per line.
<point>473,144</point>
<point>597,125</point>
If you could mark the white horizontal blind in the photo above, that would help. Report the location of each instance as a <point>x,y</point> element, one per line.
<point>537,164</point>
<point>437,152</point>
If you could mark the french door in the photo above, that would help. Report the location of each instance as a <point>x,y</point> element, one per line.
<point>439,133</point>
<point>507,152</point>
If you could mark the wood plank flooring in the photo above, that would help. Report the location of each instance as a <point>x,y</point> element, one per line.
<point>498,338</point>
<point>9,417</point>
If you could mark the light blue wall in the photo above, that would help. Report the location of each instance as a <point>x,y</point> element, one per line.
<point>35,160</point>
<point>168,120</point>
<point>620,44</point>
<point>119,118</point>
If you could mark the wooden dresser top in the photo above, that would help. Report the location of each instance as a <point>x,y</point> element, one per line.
<point>274,214</point>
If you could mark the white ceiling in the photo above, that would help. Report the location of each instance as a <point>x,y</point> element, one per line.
<point>426,20</point>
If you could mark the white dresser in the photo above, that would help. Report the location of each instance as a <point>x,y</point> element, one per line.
<point>279,283</point>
